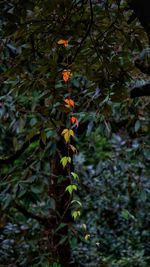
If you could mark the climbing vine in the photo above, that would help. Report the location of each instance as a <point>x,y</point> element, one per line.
<point>68,133</point>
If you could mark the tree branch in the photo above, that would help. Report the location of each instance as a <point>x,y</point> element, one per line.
<point>142,67</point>
<point>140,91</point>
<point>28,214</point>
<point>12,158</point>
<point>86,34</point>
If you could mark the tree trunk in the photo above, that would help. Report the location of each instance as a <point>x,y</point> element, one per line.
<point>61,251</point>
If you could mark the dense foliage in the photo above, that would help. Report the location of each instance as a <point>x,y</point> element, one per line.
<point>95,43</point>
<point>115,194</point>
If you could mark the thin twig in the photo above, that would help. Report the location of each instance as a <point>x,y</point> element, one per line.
<point>86,34</point>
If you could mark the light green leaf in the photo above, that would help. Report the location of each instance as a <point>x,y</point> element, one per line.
<point>70,188</point>
<point>76,214</point>
<point>65,160</point>
<point>76,201</point>
<point>75,175</point>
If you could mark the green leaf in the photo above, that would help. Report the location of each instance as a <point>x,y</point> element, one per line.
<point>62,225</point>
<point>71,188</point>
<point>43,136</point>
<point>62,241</point>
<point>137,126</point>
<point>75,175</point>
<point>146,153</point>
<point>7,201</point>
<point>36,189</point>
<point>76,201</point>
<point>127,215</point>
<point>76,214</point>
<point>65,160</point>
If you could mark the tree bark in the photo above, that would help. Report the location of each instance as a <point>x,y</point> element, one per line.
<point>60,252</point>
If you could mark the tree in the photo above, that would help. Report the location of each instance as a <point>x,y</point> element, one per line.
<point>41,40</point>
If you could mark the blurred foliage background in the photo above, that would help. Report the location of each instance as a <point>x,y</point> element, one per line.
<point>113,137</point>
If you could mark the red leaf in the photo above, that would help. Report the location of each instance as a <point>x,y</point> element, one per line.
<point>74,120</point>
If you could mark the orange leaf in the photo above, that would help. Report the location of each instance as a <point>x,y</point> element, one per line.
<point>66,75</point>
<point>69,103</point>
<point>63,42</point>
<point>74,120</point>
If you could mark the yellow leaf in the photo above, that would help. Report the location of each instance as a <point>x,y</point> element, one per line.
<point>71,132</point>
<point>87,237</point>
<point>64,131</point>
<point>84,226</point>
<point>61,41</point>
<point>67,133</point>
<point>73,148</point>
